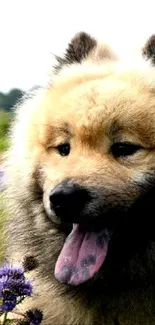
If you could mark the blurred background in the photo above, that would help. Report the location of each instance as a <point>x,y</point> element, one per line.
<point>32,32</point>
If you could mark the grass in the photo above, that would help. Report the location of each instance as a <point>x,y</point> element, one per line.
<point>4,143</point>
<point>1,229</point>
<point>5,119</point>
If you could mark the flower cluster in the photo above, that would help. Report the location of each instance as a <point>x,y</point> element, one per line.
<point>35,316</point>
<point>32,317</point>
<point>14,288</point>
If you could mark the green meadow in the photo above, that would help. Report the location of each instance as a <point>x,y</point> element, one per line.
<point>5,119</point>
<point>1,229</point>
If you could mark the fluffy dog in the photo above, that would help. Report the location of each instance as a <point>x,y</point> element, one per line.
<point>81,187</point>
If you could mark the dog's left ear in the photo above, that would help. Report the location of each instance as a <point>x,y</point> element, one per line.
<point>148,50</point>
<point>78,49</point>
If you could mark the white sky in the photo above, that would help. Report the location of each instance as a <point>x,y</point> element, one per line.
<point>30,30</point>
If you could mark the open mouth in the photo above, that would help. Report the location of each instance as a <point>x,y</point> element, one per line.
<point>96,228</point>
<point>82,255</point>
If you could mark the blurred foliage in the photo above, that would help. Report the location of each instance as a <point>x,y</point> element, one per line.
<point>7,101</point>
<point>5,119</point>
<point>1,229</point>
<point>4,144</point>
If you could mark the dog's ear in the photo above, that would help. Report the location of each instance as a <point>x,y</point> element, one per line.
<point>81,46</point>
<point>148,50</point>
<point>78,49</point>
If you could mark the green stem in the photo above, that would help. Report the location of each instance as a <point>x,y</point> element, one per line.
<point>5,317</point>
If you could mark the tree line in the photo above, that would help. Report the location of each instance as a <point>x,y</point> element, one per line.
<point>8,100</point>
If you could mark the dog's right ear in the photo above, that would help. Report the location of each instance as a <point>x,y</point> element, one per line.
<point>78,49</point>
<point>148,50</point>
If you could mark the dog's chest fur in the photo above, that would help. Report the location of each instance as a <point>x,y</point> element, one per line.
<point>134,309</point>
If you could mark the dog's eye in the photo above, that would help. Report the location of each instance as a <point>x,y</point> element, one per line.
<point>64,149</point>
<point>124,149</point>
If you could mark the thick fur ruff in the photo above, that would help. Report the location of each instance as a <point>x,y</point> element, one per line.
<point>94,100</point>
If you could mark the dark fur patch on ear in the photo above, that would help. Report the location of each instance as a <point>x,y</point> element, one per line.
<point>149,49</point>
<point>78,49</point>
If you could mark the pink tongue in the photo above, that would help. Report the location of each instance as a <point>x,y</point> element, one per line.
<point>82,256</point>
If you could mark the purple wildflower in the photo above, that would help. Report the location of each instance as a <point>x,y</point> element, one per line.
<point>17,272</point>
<point>35,316</point>
<point>13,287</point>
<point>9,302</point>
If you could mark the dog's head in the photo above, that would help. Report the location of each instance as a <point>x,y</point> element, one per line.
<point>93,140</point>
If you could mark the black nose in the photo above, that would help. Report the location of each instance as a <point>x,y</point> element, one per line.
<point>68,200</point>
